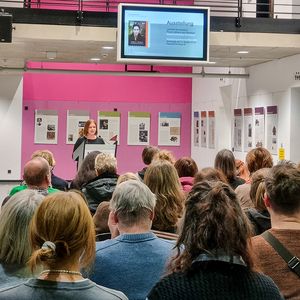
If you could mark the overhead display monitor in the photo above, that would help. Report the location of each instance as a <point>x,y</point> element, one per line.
<point>163,34</point>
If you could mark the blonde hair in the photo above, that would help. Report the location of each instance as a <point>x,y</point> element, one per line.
<point>105,162</point>
<point>162,179</point>
<point>64,219</point>
<point>48,155</point>
<point>127,176</point>
<point>165,155</point>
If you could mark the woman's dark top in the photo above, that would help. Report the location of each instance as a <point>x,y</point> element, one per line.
<point>215,280</point>
<point>236,181</point>
<point>260,220</point>
<point>98,140</point>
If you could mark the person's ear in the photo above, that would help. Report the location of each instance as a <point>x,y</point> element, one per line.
<point>151,215</point>
<point>267,201</point>
<point>113,218</point>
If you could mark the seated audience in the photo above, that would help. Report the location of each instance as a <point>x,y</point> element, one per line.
<point>242,170</point>
<point>86,171</point>
<point>36,176</point>
<point>101,216</point>
<point>186,168</point>
<point>147,156</point>
<point>135,258</point>
<point>259,215</point>
<point>210,174</point>
<point>102,186</point>
<point>225,162</point>
<point>56,182</point>
<point>213,254</point>
<point>282,199</point>
<point>63,239</point>
<point>162,179</point>
<point>256,159</point>
<point>15,247</point>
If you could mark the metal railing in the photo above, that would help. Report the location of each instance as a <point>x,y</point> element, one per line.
<point>277,9</point>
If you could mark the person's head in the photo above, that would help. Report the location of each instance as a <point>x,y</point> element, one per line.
<point>165,155</point>
<point>258,158</point>
<point>225,162</point>
<point>210,174</point>
<point>132,205</point>
<point>127,176</point>
<point>283,189</point>
<point>90,128</point>
<point>213,221</point>
<point>186,167</point>
<point>15,218</point>
<point>100,218</point>
<point>136,29</point>
<point>48,155</point>
<point>258,189</point>
<point>162,179</point>
<point>37,173</point>
<point>62,232</point>
<point>105,162</point>
<point>148,154</point>
<point>242,170</point>
<point>86,170</point>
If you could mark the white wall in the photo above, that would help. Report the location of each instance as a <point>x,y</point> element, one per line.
<point>11,94</point>
<point>271,83</point>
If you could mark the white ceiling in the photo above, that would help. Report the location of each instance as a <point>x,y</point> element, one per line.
<point>80,44</point>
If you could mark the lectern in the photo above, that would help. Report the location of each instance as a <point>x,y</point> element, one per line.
<point>84,149</point>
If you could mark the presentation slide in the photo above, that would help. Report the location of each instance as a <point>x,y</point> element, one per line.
<point>164,34</point>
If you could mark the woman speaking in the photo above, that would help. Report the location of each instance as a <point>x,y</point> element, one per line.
<point>89,135</point>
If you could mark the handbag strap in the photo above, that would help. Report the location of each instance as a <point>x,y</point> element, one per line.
<point>292,261</point>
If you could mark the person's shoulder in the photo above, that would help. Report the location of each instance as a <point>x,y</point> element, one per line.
<point>100,246</point>
<point>264,285</point>
<point>110,294</point>
<point>52,190</point>
<point>12,291</point>
<point>17,188</point>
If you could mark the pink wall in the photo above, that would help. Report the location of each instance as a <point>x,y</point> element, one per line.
<point>93,92</point>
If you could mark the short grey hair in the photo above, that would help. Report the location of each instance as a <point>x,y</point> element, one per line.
<point>105,162</point>
<point>15,218</point>
<point>131,200</point>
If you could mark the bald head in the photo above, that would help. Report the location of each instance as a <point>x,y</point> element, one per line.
<point>37,173</point>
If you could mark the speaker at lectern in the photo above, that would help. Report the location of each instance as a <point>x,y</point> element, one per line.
<point>84,149</point>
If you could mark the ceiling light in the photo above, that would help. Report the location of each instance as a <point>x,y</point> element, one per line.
<point>51,54</point>
<point>108,47</point>
<point>95,59</point>
<point>243,52</point>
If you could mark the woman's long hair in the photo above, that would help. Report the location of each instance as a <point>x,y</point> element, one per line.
<point>162,179</point>
<point>213,220</point>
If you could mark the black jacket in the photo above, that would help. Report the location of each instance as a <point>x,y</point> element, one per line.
<point>99,189</point>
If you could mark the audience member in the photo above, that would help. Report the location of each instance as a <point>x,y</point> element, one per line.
<point>102,186</point>
<point>101,216</point>
<point>225,162</point>
<point>186,168</point>
<point>147,156</point>
<point>259,215</point>
<point>63,238</point>
<point>242,170</point>
<point>214,258</point>
<point>134,260</point>
<point>56,182</point>
<point>162,179</point>
<point>165,155</point>
<point>15,247</point>
<point>210,174</point>
<point>256,159</point>
<point>86,171</point>
<point>36,176</point>
<point>282,199</point>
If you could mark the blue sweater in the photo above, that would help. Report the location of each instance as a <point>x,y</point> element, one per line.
<point>131,263</point>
